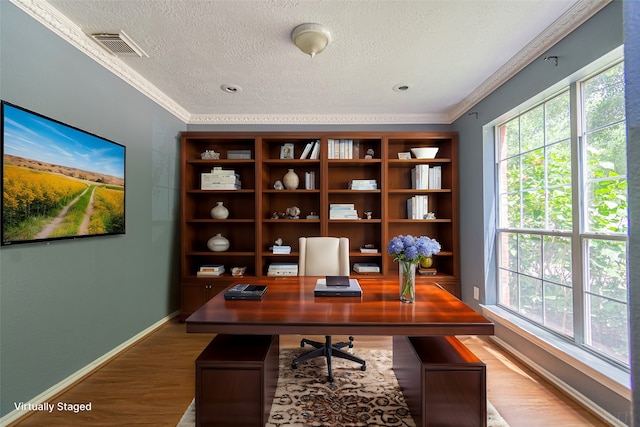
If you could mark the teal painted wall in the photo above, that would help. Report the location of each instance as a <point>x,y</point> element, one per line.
<point>596,37</point>
<point>66,303</point>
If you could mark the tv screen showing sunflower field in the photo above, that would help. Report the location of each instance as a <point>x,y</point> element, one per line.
<point>58,182</point>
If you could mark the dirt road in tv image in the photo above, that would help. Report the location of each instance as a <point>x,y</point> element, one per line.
<point>45,201</point>
<point>50,228</point>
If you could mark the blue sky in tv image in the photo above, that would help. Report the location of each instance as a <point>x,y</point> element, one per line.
<point>36,137</point>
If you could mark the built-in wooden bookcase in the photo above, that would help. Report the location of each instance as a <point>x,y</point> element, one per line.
<point>443,202</point>
<point>340,173</point>
<point>273,203</point>
<point>255,219</point>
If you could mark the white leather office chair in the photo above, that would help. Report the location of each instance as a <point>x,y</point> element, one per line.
<point>325,256</point>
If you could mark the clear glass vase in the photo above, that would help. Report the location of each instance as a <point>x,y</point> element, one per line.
<point>407,281</point>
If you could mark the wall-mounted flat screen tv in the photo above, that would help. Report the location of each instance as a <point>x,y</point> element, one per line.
<point>58,182</point>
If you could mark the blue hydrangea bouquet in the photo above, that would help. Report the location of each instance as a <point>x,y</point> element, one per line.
<point>409,251</point>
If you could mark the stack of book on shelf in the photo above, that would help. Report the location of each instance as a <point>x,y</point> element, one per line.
<point>282,269</point>
<point>282,249</point>
<point>427,271</point>
<point>420,177</point>
<point>311,150</point>
<point>366,267</point>
<point>417,207</point>
<point>210,270</point>
<point>363,184</point>
<point>425,177</point>
<point>220,179</point>
<point>343,149</point>
<point>238,154</point>
<point>310,180</point>
<point>342,211</point>
<point>435,178</point>
<point>368,249</point>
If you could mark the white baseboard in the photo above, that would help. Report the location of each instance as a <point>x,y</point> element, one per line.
<point>83,372</point>
<point>567,389</point>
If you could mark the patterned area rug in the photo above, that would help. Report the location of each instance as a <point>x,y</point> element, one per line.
<point>355,398</point>
<point>304,398</point>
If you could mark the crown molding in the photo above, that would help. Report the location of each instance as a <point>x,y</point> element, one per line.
<point>559,29</point>
<point>47,15</point>
<point>316,119</point>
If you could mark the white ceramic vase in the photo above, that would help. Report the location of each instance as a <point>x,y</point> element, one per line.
<point>218,243</point>
<point>291,180</point>
<point>219,211</point>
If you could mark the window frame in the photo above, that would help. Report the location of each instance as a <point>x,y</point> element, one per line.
<point>578,235</point>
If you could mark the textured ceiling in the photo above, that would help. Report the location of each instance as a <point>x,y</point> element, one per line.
<point>450,53</point>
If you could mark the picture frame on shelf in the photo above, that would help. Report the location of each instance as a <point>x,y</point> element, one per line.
<point>287,151</point>
<point>404,156</point>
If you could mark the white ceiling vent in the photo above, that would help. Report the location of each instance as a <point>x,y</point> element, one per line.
<point>119,44</point>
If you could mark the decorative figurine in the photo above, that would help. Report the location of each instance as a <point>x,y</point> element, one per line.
<point>293,212</point>
<point>238,271</point>
<point>278,241</point>
<point>278,185</point>
<point>430,215</point>
<point>368,214</point>
<point>369,154</point>
<point>210,155</point>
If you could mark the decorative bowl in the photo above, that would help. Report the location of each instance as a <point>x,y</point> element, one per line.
<point>425,152</point>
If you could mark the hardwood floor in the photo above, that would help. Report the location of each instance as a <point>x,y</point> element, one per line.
<point>152,383</point>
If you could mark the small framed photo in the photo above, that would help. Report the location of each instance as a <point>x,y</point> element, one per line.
<point>404,156</point>
<point>286,152</point>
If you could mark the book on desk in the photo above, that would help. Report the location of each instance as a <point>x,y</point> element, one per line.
<point>325,288</point>
<point>245,292</point>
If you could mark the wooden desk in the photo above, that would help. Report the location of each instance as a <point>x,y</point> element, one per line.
<point>289,307</point>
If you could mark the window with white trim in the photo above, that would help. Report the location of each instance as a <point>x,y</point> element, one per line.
<point>562,214</point>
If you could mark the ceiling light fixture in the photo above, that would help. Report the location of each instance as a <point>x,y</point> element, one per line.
<point>401,87</point>
<point>311,38</point>
<point>231,88</point>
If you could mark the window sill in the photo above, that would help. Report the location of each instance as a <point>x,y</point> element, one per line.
<point>613,377</point>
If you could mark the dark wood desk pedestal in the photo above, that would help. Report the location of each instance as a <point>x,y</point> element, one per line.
<point>443,382</point>
<point>236,378</point>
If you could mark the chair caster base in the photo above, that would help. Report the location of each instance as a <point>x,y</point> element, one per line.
<point>328,350</point>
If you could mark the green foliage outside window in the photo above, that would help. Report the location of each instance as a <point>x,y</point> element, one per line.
<point>536,184</point>
<point>606,320</point>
